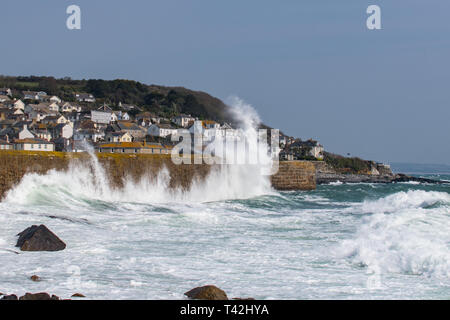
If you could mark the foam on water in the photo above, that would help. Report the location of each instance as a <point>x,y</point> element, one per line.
<point>406,233</point>
<point>146,241</point>
<point>82,183</point>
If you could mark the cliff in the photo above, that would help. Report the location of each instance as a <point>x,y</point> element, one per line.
<point>296,175</point>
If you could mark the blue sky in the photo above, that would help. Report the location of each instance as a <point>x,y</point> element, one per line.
<point>310,68</point>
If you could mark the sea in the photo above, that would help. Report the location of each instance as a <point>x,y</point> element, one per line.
<point>232,230</point>
<point>341,241</point>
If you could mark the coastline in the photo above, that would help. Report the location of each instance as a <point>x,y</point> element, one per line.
<point>291,176</point>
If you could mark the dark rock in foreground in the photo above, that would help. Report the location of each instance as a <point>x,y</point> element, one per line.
<point>39,238</point>
<point>10,297</point>
<point>207,293</point>
<point>38,296</point>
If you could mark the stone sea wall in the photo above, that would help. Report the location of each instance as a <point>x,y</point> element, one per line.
<point>295,175</point>
<point>292,175</point>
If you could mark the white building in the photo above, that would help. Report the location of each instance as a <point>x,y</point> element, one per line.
<point>161,130</point>
<point>103,117</point>
<point>25,133</point>
<point>84,97</point>
<point>118,137</point>
<point>89,134</point>
<point>183,120</point>
<point>33,95</point>
<point>55,99</point>
<point>33,145</point>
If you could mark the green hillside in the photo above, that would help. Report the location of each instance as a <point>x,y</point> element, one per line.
<point>163,101</point>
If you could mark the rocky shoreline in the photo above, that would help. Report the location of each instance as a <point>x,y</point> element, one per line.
<point>327,178</point>
<point>326,174</point>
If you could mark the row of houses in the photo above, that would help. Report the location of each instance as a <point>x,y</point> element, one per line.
<point>46,123</point>
<point>42,122</point>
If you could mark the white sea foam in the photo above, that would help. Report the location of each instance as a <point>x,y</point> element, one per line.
<point>81,183</point>
<point>336,183</point>
<point>411,199</point>
<point>407,233</point>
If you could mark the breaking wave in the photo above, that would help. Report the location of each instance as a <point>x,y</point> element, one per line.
<point>406,232</point>
<point>82,183</point>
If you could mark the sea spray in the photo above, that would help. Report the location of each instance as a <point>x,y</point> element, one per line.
<point>83,181</point>
<point>296,245</point>
<point>405,232</point>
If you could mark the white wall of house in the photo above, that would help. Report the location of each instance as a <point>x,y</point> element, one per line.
<point>19,105</point>
<point>55,99</point>
<point>25,133</point>
<point>101,117</point>
<point>35,146</point>
<point>54,107</point>
<point>67,131</point>
<point>156,131</point>
<point>6,147</point>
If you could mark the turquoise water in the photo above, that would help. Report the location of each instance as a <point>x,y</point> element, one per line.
<point>362,241</point>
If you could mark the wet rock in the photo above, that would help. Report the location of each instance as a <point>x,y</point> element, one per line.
<point>39,238</point>
<point>35,278</point>
<point>10,297</point>
<point>207,293</point>
<point>243,299</point>
<point>38,296</point>
<point>78,295</point>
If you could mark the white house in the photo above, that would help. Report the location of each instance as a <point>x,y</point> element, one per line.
<point>119,115</point>
<point>89,134</point>
<point>67,107</point>
<point>25,133</point>
<point>33,145</point>
<point>183,120</point>
<point>161,130</point>
<point>18,111</point>
<point>63,130</point>
<point>103,117</point>
<point>18,104</point>
<point>59,119</point>
<point>55,99</point>
<point>33,95</point>
<point>84,97</point>
<point>118,137</point>
<point>53,106</point>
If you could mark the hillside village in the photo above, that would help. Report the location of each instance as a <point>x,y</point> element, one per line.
<point>37,121</point>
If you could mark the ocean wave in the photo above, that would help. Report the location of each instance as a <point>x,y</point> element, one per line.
<point>407,233</point>
<point>88,184</point>
<point>406,200</point>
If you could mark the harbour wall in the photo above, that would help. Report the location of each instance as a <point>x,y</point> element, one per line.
<point>292,175</point>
